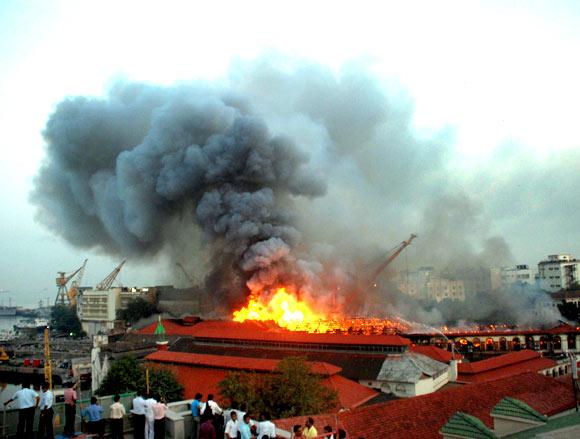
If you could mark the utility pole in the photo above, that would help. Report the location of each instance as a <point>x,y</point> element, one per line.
<point>574,367</point>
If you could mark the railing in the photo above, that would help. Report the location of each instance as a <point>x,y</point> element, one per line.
<point>10,416</point>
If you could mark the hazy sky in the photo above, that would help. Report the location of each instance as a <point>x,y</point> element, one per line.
<point>499,73</point>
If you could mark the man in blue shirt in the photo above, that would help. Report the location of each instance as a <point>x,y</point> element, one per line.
<point>195,415</point>
<point>94,416</point>
<point>26,403</point>
<point>244,428</point>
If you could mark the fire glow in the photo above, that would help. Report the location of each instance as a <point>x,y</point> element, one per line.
<point>283,308</point>
<point>288,312</point>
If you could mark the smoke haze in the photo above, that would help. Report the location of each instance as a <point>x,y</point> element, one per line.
<point>284,173</point>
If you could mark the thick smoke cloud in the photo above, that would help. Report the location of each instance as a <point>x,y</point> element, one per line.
<point>157,170</point>
<point>119,171</point>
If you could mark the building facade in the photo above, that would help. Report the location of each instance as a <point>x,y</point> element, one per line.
<point>518,274</point>
<point>558,272</point>
<point>97,310</point>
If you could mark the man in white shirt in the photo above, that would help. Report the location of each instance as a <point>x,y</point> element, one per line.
<point>266,428</point>
<point>116,416</point>
<point>231,431</point>
<point>26,403</point>
<point>149,417</point>
<point>46,413</point>
<point>139,416</point>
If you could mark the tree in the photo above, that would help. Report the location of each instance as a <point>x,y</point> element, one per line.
<point>292,390</point>
<point>136,310</point>
<point>128,375</point>
<point>64,318</point>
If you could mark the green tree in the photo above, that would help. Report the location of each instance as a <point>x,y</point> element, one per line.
<point>64,318</point>
<point>128,375</point>
<point>292,390</point>
<point>136,310</point>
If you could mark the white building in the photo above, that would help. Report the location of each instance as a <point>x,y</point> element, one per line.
<point>558,272</point>
<point>518,274</point>
<point>410,375</point>
<point>424,284</point>
<point>97,310</point>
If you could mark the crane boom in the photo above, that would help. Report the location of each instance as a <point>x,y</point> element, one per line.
<point>76,283</point>
<point>61,282</point>
<point>106,283</point>
<point>392,257</point>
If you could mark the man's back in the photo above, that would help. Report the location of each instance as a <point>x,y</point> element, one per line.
<point>207,431</point>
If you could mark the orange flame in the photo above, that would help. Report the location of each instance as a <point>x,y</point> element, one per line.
<point>283,308</point>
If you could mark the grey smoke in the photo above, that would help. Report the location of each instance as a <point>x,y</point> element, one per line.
<point>208,172</point>
<point>119,172</point>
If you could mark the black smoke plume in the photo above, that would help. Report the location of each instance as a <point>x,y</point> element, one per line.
<point>122,170</point>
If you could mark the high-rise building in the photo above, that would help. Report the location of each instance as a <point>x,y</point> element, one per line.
<point>558,272</point>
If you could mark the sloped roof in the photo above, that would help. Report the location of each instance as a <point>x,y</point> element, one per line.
<point>504,365</point>
<point>234,363</point>
<point>409,368</point>
<point>517,409</point>
<point>255,331</point>
<point>436,353</point>
<point>205,380</point>
<point>423,416</point>
<point>355,366</point>
<point>464,425</point>
<point>350,393</point>
<point>497,362</point>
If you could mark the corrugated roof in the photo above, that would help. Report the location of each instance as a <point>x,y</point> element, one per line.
<point>234,363</point>
<point>409,368</point>
<point>436,353</point>
<point>517,409</point>
<point>467,426</point>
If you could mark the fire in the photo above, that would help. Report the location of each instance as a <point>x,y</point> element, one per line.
<point>283,308</point>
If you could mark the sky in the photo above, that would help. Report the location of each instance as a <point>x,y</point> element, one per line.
<point>503,75</point>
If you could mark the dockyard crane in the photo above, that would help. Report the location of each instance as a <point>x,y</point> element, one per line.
<point>62,280</point>
<point>73,292</point>
<point>106,283</point>
<point>393,255</point>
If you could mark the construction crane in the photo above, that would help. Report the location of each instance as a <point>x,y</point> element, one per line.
<point>106,283</point>
<point>393,255</point>
<point>62,295</point>
<point>189,277</point>
<point>73,292</point>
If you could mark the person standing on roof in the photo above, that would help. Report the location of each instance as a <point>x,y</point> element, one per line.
<point>245,428</point>
<point>310,431</point>
<point>117,413</point>
<point>26,403</point>
<point>160,409</point>
<point>207,430</point>
<point>149,417</point>
<point>70,408</point>
<point>138,411</point>
<point>266,427</point>
<point>231,431</point>
<point>46,413</point>
<point>196,415</point>
<point>215,411</point>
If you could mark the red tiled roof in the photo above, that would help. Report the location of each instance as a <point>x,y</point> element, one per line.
<point>436,353</point>
<point>206,380</point>
<point>498,362</point>
<point>536,365</point>
<point>350,393</point>
<point>423,416</point>
<point>261,332</point>
<point>236,363</point>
